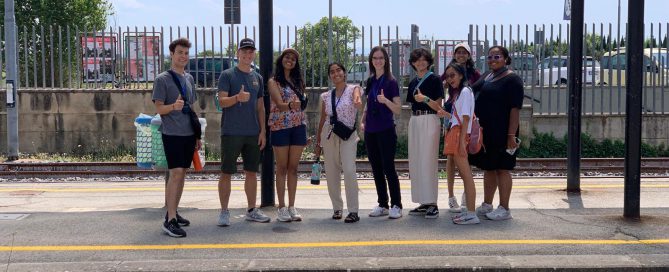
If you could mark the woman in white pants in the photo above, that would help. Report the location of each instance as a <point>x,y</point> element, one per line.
<point>426,93</point>
<point>340,150</point>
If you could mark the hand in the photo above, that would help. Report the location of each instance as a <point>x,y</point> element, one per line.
<point>179,104</point>
<point>419,97</point>
<point>261,140</point>
<point>442,113</point>
<point>295,105</point>
<point>198,145</point>
<point>243,96</point>
<point>511,142</point>
<point>381,98</point>
<point>362,126</point>
<point>357,101</point>
<point>317,150</point>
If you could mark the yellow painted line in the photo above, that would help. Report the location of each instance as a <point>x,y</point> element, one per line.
<point>332,244</point>
<point>308,187</point>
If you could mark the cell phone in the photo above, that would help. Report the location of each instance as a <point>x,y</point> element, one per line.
<point>512,151</point>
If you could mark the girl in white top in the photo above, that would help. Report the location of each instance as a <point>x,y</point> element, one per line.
<point>457,137</point>
<point>340,153</point>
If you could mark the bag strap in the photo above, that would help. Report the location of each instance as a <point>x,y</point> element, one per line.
<point>428,74</point>
<point>334,107</point>
<point>176,80</point>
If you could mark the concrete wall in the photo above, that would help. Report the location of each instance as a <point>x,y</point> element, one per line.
<point>65,121</point>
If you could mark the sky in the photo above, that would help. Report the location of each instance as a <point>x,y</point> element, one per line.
<point>437,19</point>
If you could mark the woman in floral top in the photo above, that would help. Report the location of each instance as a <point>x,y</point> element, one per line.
<point>287,123</point>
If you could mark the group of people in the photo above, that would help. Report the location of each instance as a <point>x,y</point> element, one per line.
<point>495,98</point>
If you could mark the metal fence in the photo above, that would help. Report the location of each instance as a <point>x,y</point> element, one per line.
<point>131,57</point>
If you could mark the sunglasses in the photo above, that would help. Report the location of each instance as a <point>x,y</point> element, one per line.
<point>495,57</point>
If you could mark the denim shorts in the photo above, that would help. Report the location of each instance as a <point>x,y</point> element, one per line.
<point>290,136</point>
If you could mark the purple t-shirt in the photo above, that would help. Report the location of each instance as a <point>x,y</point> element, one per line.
<point>379,117</point>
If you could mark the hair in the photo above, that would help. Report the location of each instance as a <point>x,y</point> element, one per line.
<point>469,66</point>
<point>341,66</point>
<point>295,73</point>
<point>505,53</point>
<point>417,54</point>
<point>372,69</point>
<point>180,41</point>
<point>458,68</point>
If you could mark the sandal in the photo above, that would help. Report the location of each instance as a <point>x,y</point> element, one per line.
<point>352,218</point>
<point>337,215</point>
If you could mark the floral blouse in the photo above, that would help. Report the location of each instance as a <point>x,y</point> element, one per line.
<point>278,119</point>
<point>346,111</point>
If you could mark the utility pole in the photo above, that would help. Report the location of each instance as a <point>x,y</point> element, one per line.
<point>575,74</point>
<point>266,24</point>
<point>11,83</point>
<point>330,35</point>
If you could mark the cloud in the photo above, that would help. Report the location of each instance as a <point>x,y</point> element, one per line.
<point>133,4</point>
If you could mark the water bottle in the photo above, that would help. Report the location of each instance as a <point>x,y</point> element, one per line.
<point>316,172</point>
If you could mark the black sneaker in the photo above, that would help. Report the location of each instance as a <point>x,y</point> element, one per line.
<point>173,229</point>
<point>432,212</point>
<point>352,218</point>
<point>420,210</point>
<point>182,221</point>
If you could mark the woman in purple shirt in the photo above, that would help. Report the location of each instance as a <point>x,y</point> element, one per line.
<point>383,100</point>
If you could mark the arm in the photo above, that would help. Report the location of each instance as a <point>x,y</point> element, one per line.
<point>260,106</point>
<point>275,95</point>
<point>226,101</point>
<point>463,134</point>
<point>321,123</point>
<point>395,105</point>
<point>362,119</point>
<point>163,109</point>
<point>514,120</point>
<point>357,98</point>
<point>435,104</point>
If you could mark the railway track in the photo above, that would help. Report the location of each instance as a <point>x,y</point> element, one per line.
<point>531,167</point>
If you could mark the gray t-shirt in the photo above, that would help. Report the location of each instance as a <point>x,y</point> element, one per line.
<point>241,119</point>
<point>176,123</point>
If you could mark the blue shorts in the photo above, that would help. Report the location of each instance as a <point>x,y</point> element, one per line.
<point>290,136</point>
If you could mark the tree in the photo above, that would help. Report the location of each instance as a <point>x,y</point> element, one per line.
<point>47,17</point>
<point>314,50</point>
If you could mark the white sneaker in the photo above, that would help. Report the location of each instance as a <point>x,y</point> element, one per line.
<point>257,215</point>
<point>484,209</point>
<point>294,215</point>
<point>499,214</point>
<point>224,218</point>
<point>283,215</point>
<point>453,205</point>
<point>395,212</point>
<point>467,218</point>
<point>378,211</point>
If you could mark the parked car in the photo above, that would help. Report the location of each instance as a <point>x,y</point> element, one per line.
<point>554,70</point>
<point>524,65</point>
<point>656,66</point>
<point>206,71</point>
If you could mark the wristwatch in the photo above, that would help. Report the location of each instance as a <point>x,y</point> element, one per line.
<point>426,100</point>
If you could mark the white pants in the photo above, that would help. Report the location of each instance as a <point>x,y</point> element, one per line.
<point>424,133</point>
<point>340,156</point>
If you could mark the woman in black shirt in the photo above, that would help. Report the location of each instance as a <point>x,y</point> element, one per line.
<point>426,93</point>
<point>499,100</point>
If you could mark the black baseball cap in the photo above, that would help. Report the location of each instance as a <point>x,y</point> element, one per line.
<point>246,43</point>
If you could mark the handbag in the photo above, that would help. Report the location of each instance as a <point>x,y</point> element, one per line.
<point>339,128</point>
<point>476,137</point>
<point>194,120</point>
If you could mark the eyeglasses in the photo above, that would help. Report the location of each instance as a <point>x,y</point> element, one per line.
<point>378,58</point>
<point>495,57</point>
<point>450,75</point>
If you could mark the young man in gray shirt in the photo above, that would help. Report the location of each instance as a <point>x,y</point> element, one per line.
<point>174,104</point>
<point>240,92</point>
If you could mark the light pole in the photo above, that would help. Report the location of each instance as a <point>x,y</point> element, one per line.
<point>11,83</point>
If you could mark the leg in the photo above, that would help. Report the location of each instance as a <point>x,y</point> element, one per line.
<point>230,149</point>
<point>332,169</point>
<point>373,145</point>
<point>388,147</point>
<point>224,189</point>
<point>174,185</point>
<point>505,184</point>
<point>466,174</point>
<point>294,155</point>
<point>489,185</point>
<point>281,157</point>
<point>251,188</point>
<point>348,153</point>
<point>450,175</point>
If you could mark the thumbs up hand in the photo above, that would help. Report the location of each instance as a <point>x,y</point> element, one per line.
<point>179,104</point>
<point>381,98</point>
<point>295,104</point>
<point>243,96</point>
<point>419,97</point>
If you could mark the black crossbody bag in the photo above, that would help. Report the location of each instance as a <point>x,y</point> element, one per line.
<point>338,127</point>
<point>194,120</point>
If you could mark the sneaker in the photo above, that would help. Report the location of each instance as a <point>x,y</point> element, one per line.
<point>432,212</point>
<point>467,218</point>
<point>283,215</point>
<point>453,205</point>
<point>336,215</point>
<point>352,218</point>
<point>294,215</point>
<point>173,229</point>
<point>420,210</point>
<point>378,211</point>
<point>224,218</point>
<point>499,214</point>
<point>180,220</point>
<point>484,209</point>
<point>395,212</point>
<point>257,215</point>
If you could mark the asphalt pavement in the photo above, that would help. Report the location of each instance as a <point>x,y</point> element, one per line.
<point>115,226</point>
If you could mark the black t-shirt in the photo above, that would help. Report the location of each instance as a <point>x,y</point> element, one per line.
<point>494,102</point>
<point>431,88</point>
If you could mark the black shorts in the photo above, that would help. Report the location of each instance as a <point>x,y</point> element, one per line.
<point>494,159</point>
<point>179,150</point>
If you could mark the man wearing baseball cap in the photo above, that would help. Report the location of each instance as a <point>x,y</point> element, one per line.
<point>240,90</point>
